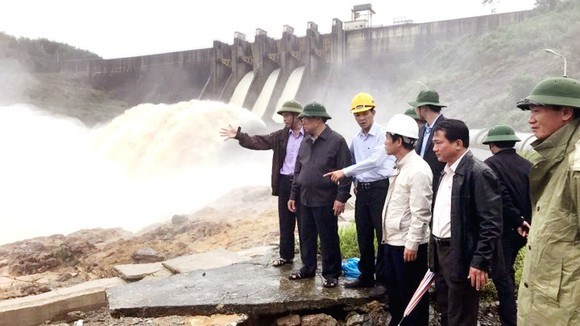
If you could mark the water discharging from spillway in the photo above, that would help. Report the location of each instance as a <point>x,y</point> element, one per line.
<point>262,102</point>
<point>242,89</point>
<point>290,90</point>
<point>154,161</point>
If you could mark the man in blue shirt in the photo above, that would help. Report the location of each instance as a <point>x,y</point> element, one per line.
<point>372,168</point>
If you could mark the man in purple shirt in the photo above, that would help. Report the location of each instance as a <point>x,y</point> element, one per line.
<point>285,143</point>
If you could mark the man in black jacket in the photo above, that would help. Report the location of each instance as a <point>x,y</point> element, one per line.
<point>321,200</point>
<point>285,143</point>
<point>428,109</point>
<point>466,225</point>
<point>513,172</point>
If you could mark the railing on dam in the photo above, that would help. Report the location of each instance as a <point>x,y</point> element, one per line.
<point>122,65</point>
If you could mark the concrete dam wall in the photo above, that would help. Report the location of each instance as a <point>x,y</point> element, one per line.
<point>334,65</point>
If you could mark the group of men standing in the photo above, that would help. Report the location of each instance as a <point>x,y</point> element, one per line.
<point>431,204</point>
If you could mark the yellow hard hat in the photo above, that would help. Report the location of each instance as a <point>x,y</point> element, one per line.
<point>362,102</point>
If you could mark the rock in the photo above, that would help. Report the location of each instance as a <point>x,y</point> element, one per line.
<point>355,319</point>
<point>319,320</point>
<point>290,320</point>
<point>178,219</point>
<point>147,255</point>
<point>74,316</point>
<point>64,277</point>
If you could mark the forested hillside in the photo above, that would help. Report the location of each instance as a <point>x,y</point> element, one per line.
<point>482,77</point>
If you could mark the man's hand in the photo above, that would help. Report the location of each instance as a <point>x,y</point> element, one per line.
<point>409,255</point>
<point>228,133</point>
<point>292,206</point>
<point>335,176</point>
<point>478,278</point>
<point>524,229</point>
<point>338,208</point>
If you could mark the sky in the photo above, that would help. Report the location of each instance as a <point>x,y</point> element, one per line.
<point>124,28</point>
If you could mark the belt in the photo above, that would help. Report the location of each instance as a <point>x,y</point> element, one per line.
<point>288,176</point>
<point>442,242</point>
<point>371,185</point>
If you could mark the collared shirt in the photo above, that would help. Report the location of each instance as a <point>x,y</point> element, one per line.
<point>371,162</point>
<point>407,211</point>
<point>329,152</point>
<point>292,152</point>
<point>428,128</point>
<point>442,207</point>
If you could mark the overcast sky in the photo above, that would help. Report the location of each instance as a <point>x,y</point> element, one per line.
<point>122,28</point>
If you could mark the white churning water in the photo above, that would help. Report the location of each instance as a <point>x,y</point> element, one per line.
<point>154,161</point>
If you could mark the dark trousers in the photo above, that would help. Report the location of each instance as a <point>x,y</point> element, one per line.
<point>457,300</point>
<point>320,222</point>
<point>402,279</point>
<point>511,243</point>
<point>368,215</point>
<point>286,219</point>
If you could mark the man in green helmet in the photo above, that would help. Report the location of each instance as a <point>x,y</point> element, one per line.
<point>413,114</point>
<point>321,200</point>
<point>513,172</point>
<point>549,292</point>
<point>428,109</point>
<point>285,143</point>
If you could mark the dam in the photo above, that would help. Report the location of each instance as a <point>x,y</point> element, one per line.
<point>329,68</point>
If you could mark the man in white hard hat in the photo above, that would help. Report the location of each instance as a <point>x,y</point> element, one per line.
<point>407,215</point>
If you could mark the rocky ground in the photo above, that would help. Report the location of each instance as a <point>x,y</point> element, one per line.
<point>41,264</point>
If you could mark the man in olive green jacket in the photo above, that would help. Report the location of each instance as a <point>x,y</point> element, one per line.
<point>549,292</point>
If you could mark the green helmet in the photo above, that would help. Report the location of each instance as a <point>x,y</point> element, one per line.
<point>561,91</point>
<point>314,109</point>
<point>427,97</point>
<point>412,113</point>
<point>290,106</point>
<point>500,133</point>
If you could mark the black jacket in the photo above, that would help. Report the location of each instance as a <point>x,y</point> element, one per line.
<point>329,152</point>
<point>275,141</point>
<point>513,172</point>
<point>476,218</point>
<point>429,156</point>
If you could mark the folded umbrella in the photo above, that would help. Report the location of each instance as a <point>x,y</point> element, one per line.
<point>421,289</point>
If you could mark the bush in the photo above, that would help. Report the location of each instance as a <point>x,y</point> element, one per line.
<point>348,241</point>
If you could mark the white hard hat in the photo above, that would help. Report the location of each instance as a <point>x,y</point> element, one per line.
<point>403,125</point>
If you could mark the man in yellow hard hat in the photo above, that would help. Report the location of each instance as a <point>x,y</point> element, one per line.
<point>285,144</point>
<point>549,292</point>
<point>371,169</point>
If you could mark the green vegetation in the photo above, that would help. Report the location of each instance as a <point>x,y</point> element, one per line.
<point>348,242</point>
<point>29,74</point>
<point>481,77</point>
<point>37,56</point>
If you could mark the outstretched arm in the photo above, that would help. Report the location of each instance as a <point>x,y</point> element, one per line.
<point>228,133</point>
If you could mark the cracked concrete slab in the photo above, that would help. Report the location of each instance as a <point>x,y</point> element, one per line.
<point>252,288</point>
<point>135,272</point>
<point>36,309</point>
<point>205,260</point>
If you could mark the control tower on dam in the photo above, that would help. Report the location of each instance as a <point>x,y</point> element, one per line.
<point>328,68</point>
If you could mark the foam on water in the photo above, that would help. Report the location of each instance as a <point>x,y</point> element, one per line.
<point>154,161</point>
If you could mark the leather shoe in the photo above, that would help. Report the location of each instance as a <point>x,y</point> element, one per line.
<point>378,292</point>
<point>358,283</point>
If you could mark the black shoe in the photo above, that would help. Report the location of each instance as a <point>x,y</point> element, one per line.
<point>358,283</point>
<point>378,292</point>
